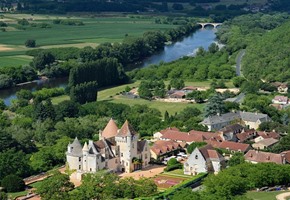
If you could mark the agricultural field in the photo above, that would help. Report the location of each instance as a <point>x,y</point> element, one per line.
<point>95,30</point>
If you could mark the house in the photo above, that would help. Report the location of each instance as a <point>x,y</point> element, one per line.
<point>281,87</point>
<point>232,147</point>
<point>265,143</point>
<point>177,95</point>
<point>280,100</point>
<point>204,159</point>
<point>187,137</point>
<point>162,149</point>
<point>229,132</point>
<point>116,150</point>
<point>252,120</point>
<point>254,156</point>
<point>158,135</point>
<point>261,135</point>
<point>246,135</point>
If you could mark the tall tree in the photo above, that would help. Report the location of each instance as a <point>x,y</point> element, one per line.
<point>215,105</point>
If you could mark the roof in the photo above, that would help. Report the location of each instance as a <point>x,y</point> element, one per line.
<point>179,94</point>
<point>265,135</point>
<point>76,148</point>
<point>232,128</point>
<point>141,145</point>
<point>160,147</point>
<point>189,88</point>
<point>169,130</point>
<point>228,117</point>
<point>281,98</point>
<point>110,130</point>
<point>208,153</point>
<point>126,130</point>
<point>286,155</point>
<point>246,135</point>
<point>234,146</point>
<point>260,156</point>
<point>191,136</point>
<point>266,142</point>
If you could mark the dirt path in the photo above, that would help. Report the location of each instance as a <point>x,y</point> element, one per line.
<point>148,172</point>
<point>283,196</point>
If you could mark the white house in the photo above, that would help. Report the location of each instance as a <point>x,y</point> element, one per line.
<point>116,150</point>
<point>204,159</point>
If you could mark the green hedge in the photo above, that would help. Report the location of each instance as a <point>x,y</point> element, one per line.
<point>173,167</point>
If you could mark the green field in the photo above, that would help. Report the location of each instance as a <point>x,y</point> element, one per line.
<point>95,30</point>
<point>14,60</point>
<point>263,195</point>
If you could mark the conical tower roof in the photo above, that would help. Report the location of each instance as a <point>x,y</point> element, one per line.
<point>76,147</point>
<point>85,148</point>
<point>110,130</point>
<point>126,130</point>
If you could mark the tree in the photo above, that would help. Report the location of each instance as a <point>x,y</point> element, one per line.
<point>238,81</point>
<point>213,48</point>
<point>24,94</point>
<point>185,194</point>
<point>13,183</point>
<point>3,196</point>
<point>14,162</point>
<point>55,187</point>
<point>30,43</point>
<point>236,159</point>
<point>84,92</point>
<point>67,108</point>
<point>2,104</point>
<point>190,148</point>
<point>5,81</point>
<point>43,59</point>
<point>215,105</point>
<point>177,83</point>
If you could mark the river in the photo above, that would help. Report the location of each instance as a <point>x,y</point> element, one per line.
<point>186,47</point>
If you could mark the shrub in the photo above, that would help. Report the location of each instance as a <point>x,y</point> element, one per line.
<point>172,161</point>
<point>173,167</point>
<point>30,43</point>
<point>13,183</point>
<point>3,24</point>
<point>23,22</point>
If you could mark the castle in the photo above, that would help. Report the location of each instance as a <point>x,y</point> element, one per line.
<point>117,150</point>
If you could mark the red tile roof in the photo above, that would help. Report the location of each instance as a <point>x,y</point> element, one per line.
<point>160,147</point>
<point>126,130</point>
<point>110,130</point>
<point>260,156</point>
<point>268,134</point>
<point>281,99</point>
<point>246,135</point>
<point>191,136</point>
<point>234,146</point>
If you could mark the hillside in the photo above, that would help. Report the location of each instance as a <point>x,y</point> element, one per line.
<point>268,57</point>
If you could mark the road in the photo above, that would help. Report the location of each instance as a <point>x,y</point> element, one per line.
<point>238,61</point>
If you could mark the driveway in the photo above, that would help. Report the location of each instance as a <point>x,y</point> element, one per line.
<point>238,62</point>
<point>283,196</point>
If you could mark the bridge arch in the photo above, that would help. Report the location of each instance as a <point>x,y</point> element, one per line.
<point>215,25</point>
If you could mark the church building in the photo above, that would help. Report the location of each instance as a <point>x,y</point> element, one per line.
<point>118,150</point>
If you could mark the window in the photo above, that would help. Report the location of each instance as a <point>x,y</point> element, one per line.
<point>146,156</point>
<point>80,167</point>
<point>121,154</point>
<point>116,161</point>
<point>80,159</point>
<point>196,156</point>
<point>90,169</point>
<point>126,163</point>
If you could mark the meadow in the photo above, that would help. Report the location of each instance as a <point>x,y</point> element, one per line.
<point>95,30</point>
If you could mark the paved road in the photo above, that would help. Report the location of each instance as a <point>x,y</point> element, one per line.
<point>283,196</point>
<point>238,62</point>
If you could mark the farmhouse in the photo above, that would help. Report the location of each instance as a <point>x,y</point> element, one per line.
<point>162,149</point>
<point>252,120</point>
<point>204,159</point>
<point>116,150</point>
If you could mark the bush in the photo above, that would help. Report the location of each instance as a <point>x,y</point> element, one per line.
<point>173,167</point>
<point>30,43</point>
<point>172,161</point>
<point>13,183</point>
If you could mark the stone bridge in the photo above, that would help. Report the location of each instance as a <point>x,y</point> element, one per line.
<point>215,25</point>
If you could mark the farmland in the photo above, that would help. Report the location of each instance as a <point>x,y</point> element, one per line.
<point>95,30</point>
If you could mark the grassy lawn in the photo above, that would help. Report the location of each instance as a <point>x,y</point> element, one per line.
<point>177,173</point>
<point>263,195</point>
<point>57,100</point>
<point>16,194</point>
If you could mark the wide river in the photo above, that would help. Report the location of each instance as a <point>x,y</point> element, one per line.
<point>186,47</point>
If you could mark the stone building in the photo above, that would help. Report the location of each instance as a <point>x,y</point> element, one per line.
<point>118,150</point>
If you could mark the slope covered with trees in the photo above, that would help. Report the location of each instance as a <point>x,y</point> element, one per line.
<point>268,58</point>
